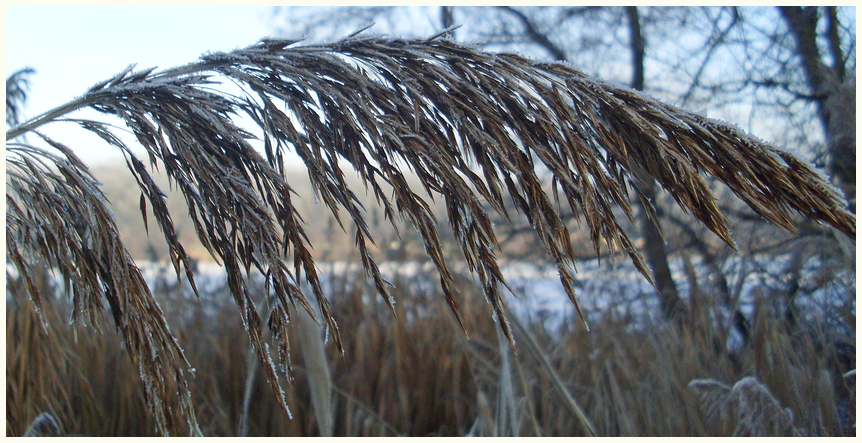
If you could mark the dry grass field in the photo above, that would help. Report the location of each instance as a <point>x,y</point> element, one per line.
<point>416,373</point>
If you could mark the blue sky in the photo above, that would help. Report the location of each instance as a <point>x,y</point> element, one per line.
<point>72,48</point>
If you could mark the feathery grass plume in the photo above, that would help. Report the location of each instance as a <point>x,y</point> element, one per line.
<point>748,408</point>
<point>473,126</point>
<point>16,94</point>
<point>44,425</point>
<point>57,213</point>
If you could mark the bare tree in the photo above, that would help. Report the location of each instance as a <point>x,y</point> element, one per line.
<point>833,91</point>
<point>798,65</point>
<point>472,125</point>
<point>725,59</point>
<point>544,31</point>
<point>654,241</point>
<point>780,64</point>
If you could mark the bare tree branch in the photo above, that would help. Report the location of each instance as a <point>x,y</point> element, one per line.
<point>835,42</point>
<point>715,41</point>
<point>535,35</point>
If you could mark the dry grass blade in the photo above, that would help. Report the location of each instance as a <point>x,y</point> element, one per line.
<point>473,126</point>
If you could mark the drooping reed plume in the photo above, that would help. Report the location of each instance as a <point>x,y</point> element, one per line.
<point>16,94</point>
<point>473,126</point>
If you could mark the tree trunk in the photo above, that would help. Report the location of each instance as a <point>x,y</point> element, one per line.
<point>446,18</point>
<point>654,245</point>
<point>835,95</point>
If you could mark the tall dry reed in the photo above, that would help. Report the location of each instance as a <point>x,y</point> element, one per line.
<point>473,126</point>
<point>417,374</point>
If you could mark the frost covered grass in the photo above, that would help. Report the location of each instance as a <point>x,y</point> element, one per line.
<point>474,128</point>
<point>416,373</point>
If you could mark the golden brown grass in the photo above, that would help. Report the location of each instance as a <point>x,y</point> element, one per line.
<point>417,374</point>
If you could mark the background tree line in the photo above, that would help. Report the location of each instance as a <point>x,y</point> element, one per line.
<point>788,73</point>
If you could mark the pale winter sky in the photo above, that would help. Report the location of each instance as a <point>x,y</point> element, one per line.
<point>73,48</point>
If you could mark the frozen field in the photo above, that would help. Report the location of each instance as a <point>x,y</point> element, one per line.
<point>601,287</point>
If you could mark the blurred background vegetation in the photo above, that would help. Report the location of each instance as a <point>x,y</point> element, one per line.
<point>785,74</point>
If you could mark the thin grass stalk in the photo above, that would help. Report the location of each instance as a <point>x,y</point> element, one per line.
<point>485,425</point>
<point>506,420</point>
<point>317,369</point>
<point>250,377</point>
<point>620,403</point>
<point>367,410</point>
<point>569,400</point>
<point>529,410</point>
